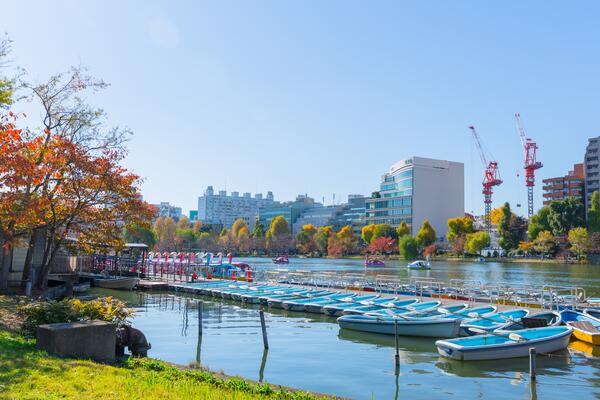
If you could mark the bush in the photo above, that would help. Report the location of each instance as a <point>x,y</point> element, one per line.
<point>72,310</point>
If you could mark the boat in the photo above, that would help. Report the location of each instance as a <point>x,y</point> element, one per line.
<point>278,302</point>
<point>415,309</point>
<point>592,312</point>
<point>281,260</point>
<point>335,310</point>
<point>373,262</point>
<point>298,304</point>
<point>419,264</point>
<point>491,322</point>
<point>317,307</point>
<point>360,309</point>
<point>499,346</point>
<point>585,328</point>
<point>537,320</point>
<point>439,328</point>
<point>117,282</point>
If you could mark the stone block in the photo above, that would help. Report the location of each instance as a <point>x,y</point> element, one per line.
<point>86,339</point>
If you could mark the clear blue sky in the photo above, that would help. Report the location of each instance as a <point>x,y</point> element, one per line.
<point>322,97</point>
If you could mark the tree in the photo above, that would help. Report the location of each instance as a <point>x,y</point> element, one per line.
<point>6,84</point>
<point>279,227</point>
<point>237,225</point>
<point>305,242</point>
<point>565,215</point>
<point>458,244</point>
<point>459,227</point>
<point>384,230</point>
<point>402,229</point>
<point>426,235</point>
<point>511,228</point>
<point>322,238</point>
<point>367,233</point>
<point>382,245</point>
<point>477,241</point>
<point>578,238</point>
<point>197,228</point>
<point>495,215</point>
<point>527,247</point>
<point>164,231</point>
<point>545,243</point>
<point>243,239</point>
<point>409,249</point>
<point>310,229</point>
<point>259,229</point>
<point>345,240</point>
<point>278,235</point>
<point>539,222</point>
<point>593,218</point>
<point>135,233</point>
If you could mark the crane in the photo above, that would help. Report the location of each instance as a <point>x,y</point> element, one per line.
<point>531,164</point>
<point>491,178</point>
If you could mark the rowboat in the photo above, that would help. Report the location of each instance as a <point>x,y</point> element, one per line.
<point>335,310</point>
<point>491,322</point>
<point>117,283</point>
<point>298,304</point>
<point>278,294</point>
<point>360,309</point>
<point>450,311</point>
<point>421,307</point>
<point>585,328</point>
<point>496,346</point>
<point>406,326</point>
<point>278,302</point>
<point>592,312</point>
<point>537,320</point>
<point>317,307</point>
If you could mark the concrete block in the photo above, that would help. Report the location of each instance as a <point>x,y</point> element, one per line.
<point>86,339</point>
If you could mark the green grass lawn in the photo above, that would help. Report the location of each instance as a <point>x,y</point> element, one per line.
<point>28,373</point>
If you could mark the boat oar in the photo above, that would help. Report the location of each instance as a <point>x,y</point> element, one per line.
<point>512,336</point>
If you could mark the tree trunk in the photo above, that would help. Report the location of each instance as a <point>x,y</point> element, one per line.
<point>5,264</point>
<point>29,259</point>
<point>46,260</point>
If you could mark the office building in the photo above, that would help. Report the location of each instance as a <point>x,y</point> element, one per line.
<point>351,213</point>
<point>561,187</point>
<point>416,189</point>
<point>164,209</point>
<point>224,210</point>
<point>290,210</point>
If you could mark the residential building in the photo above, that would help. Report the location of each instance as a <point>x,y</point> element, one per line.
<point>223,209</point>
<point>290,210</point>
<point>164,209</point>
<point>561,187</point>
<point>416,189</point>
<point>592,177</point>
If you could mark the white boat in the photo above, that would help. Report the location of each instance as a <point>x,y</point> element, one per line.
<point>117,282</point>
<point>439,328</point>
<point>491,322</point>
<point>515,344</point>
<point>419,264</point>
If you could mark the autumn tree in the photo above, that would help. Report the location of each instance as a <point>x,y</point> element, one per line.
<point>459,227</point>
<point>237,225</point>
<point>322,238</point>
<point>305,239</point>
<point>402,229</point>
<point>243,239</point>
<point>345,242</point>
<point>475,242</point>
<point>384,230</point>
<point>164,231</point>
<point>426,235</point>
<point>278,236</point>
<point>578,238</point>
<point>6,84</point>
<point>367,233</point>
<point>545,243</point>
<point>382,245</point>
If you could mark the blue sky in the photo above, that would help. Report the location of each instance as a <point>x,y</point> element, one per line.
<point>322,97</point>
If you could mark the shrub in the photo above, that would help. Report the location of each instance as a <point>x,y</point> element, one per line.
<point>72,310</point>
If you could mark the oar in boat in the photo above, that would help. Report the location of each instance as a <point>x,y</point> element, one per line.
<point>475,315</point>
<point>512,336</point>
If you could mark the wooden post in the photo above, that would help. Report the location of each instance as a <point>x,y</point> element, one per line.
<point>263,325</point>
<point>397,355</point>
<point>199,318</point>
<point>532,364</point>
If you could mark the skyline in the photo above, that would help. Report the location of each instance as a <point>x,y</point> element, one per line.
<point>296,95</point>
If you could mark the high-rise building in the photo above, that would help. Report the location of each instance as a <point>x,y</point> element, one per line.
<point>416,189</point>
<point>592,177</point>
<point>224,210</point>
<point>561,187</point>
<point>164,209</point>
<point>290,210</point>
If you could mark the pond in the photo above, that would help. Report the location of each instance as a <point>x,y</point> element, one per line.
<point>310,352</point>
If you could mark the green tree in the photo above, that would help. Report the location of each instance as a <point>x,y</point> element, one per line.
<point>367,233</point>
<point>237,225</point>
<point>426,235</point>
<point>511,228</point>
<point>384,230</point>
<point>259,229</point>
<point>409,248</point>
<point>565,215</point>
<point>539,222</point>
<point>578,238</point>
<point>458,227</point>
<point>402,229</point>
<point>593,218</point>
<point>477,241</point>
<point>545,243</point>
<point>139,234</point>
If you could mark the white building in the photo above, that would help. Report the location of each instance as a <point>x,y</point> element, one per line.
<point>416,189</point>
<point>164,209</point>
<point>223,209</point>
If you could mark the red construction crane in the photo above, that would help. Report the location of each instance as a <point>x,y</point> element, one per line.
<point>531,164</point>
<point>491,178</point>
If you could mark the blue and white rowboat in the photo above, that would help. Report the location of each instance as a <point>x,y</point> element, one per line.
<point>438,328</point>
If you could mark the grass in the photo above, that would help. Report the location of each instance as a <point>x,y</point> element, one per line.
<point>29,373</point>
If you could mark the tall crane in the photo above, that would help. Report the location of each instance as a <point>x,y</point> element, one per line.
<point>491,178</point>
<point>531,164</point>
